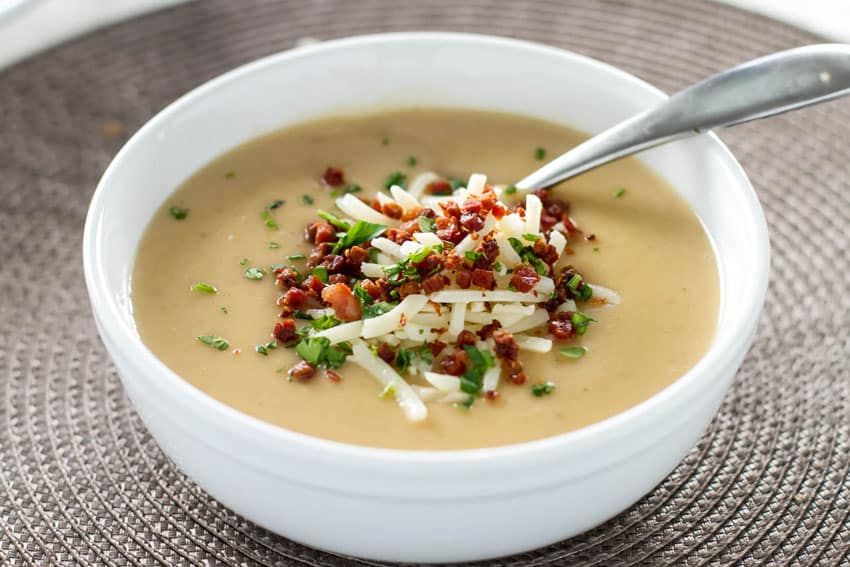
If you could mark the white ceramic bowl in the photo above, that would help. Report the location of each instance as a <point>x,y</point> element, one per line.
<point>411,505</point>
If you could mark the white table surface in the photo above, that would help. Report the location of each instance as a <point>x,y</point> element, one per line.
<point>43,23</point>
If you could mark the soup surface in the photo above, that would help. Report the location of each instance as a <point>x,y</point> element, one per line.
<point>647,245</point>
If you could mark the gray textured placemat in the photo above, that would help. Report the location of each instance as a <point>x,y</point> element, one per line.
<point>82,481</point>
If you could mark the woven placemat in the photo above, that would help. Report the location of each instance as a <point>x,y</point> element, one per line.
<point>82,481</point>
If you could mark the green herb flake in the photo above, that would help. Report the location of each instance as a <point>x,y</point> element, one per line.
<point>302,315</point>
<point>596,248</point>
<point>620,192</point>
<point>334,220</point>
<point>313,349</point>
<point>265,348</point>
<point>378,308</point>
<point>472,255</point>
<point>218,343</point>
<point>385,141</point>
<point>425,354</point>
<point>427,225</point>
<point>498,267</point>
<point>419,255</point>
<point>580,322</point>
<point>320,272</point>
<point>297,256</point>
<point>274,245</point>
<point>456,183</point>
<point>471,381</point>
<point>325,322</point>
<point>403,358</point>
<point>255,273</point>
<point>269,221</point>
<point>360,233</point>
<point>396,178</point>
<point>510,190</point>
<point>205,288</point>
<point>531,237</point>
<point>388,391</point>
<point>275,204</point>
<point>350,188</point>
<point>412,161</point>
<point>230,175</point>
<point>542,389</point>
<point>540,154</point>
<point>307,199</point>
<point>223,309</point>
<point>362,295</point>
<point>467,403</point>
<point>573,352</point>
<point>179,213</point>
<point>243,261</point>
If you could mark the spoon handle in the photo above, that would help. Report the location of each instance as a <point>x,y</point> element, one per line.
<point>770,85</point>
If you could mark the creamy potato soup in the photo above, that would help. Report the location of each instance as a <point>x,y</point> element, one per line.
<point>377,280</point>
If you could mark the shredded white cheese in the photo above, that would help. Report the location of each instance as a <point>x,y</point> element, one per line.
<point>351,205</point>
<point>343,332</point>
<point>395,318</point>
<point>410,404</point>
<point>407,201</point>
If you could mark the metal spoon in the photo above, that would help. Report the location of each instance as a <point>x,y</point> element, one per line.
<point>770,85</point>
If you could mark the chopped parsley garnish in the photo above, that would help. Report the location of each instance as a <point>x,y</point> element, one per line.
<point>265,348</point>
<point>255,273</point>
<point>403,358</point>
<point>325,322</point>
<point>243,261</point>
<point>218,343</point>
<point>580,290</point>
<point>313,349</point>
<point>223,309</point>
<point>269,221</point>
<point>620,192</point>
<point>205,288</point>
<point>361,294</point>
<point>510,189</point>
<point>230,175</point>
<point>350,188</point>
<point>425,354</point>
<point>179,213</point>
<point>321,273</point>
<point>498,267</point>
<point>401,272</point>
<point>573,351</point>
<point>540,154</point>
<point>389,390</point>
<point>526,253</point>
<point>467,403</point>
<point>419,255</point>
<point>411,161</point>
<point>361,232</point>
<point>396,178</point>
<point>274,245</point>
<point>427,225</point>
<point>531,237</point>
<point>544,389</point>
<point>334,220</point>
<point>385,141</point>
<point>376,309</point>
<point>373,254</point>
<point>318,351</point>
<point>307,199</point>
<point>580,321</point>
<point>471,381</point>
<point>298,256</point>
<point>303,316</point>
<point>596,248</point>
<point>472,255</point>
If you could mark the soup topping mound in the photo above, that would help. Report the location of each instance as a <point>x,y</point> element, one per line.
<point>436,289</point>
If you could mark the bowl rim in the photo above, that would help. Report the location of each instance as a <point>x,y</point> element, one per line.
<point>117,329</point>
